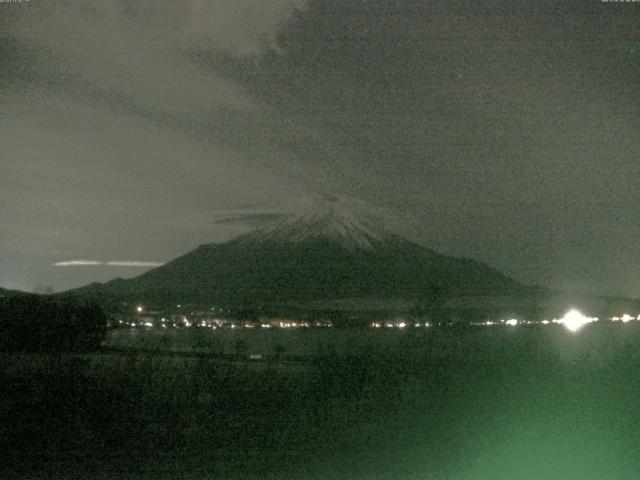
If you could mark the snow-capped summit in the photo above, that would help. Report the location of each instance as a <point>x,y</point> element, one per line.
<point>328,218</point>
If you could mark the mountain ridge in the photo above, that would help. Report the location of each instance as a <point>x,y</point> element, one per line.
<point>324,253</point>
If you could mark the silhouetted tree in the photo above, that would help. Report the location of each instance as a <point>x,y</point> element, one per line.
<point>34,323</point>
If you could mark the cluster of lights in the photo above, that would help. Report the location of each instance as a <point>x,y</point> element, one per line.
<point>398,324</point>
<point>573,320</point>
<point>184,322</point>
<point>625,318</point>
<point>302,324</point>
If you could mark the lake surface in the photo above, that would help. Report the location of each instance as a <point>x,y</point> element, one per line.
<point>495,403</point>
<point>594,340</point>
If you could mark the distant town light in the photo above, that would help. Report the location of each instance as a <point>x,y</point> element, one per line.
<point>139,309</point>
<point>512,322</point>
<point>626,318</point>
<point>575,320</point>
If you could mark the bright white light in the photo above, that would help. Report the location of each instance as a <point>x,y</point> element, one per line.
<point>545,322</point>
<point>574,320</point>
<point>512,322</point>
<point>402,325</point>
<point>139,309</point>
<point>626,318</point>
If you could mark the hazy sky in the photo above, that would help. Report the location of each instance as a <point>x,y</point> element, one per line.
<point>504,131</point>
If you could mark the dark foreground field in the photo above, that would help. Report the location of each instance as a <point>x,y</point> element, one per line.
<point>464,404</point>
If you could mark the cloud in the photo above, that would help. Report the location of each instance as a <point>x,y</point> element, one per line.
<point>78,263</point>
<point>252,216</point>
<point>72,178</point>
<point>135,56</point>
<point>132,264</point>
<point>248,219</point>
<point>111,263</point>
<point>100,49</point>
<point>240,27</point>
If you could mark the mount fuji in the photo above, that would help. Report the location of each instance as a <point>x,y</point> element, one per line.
<point>324,253</point>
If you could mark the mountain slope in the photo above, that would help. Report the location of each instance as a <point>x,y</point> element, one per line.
<point>9,294</point>
<point>327,253</point>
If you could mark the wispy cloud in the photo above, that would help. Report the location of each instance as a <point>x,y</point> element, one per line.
<point>135,55</point>
<point>111,263</point>
<point>78,263</point>
<point>132,264</point>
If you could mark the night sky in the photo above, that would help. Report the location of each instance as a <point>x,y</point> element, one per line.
<point>509,132</point>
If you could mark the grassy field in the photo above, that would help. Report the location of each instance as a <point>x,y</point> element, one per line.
<point>467,404</point>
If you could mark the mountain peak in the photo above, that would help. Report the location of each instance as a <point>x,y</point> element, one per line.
<point>325,217</point>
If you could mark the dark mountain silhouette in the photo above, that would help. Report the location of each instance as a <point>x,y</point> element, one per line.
<point>326,253</point>
<point>8,294</point>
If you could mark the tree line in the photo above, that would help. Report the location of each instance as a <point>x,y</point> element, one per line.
<point>33,323</point>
